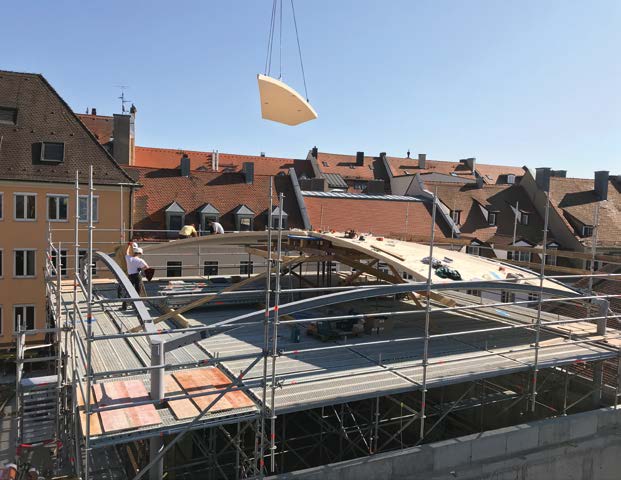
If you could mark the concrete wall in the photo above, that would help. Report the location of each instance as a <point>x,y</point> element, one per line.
<point>585,446</point>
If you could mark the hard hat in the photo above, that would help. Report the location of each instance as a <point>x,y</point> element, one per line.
<point>134,245</point>
<point>138,250</point>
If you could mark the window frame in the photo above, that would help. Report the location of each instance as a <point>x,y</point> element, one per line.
<point>64,261</point>
<point>213,263</point>
<point>2,263</point>
<point>2,206</point>
<point>456,213</point>
<point>95,208</point>
<point>42,158</point>
<point>493,215</point>
<point>24,194</point>
<point>587,231</point>
<point>57,203</point>
<point>524,218</point>
<point>24,306</point>
<point>472,248</point>
<point>34,261</point>
<point>246,267</point>
<point>15,112</point>
<point>169,266</point>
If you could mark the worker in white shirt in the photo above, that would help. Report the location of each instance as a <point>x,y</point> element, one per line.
<point>135,266</point>
<point>216,227</point>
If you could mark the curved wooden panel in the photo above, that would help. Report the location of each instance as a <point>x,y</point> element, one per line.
<point>281,103</point>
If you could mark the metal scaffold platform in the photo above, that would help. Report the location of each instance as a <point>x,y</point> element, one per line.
<point>324,363</point>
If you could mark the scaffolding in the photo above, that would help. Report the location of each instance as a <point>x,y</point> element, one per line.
<point>474,365</point>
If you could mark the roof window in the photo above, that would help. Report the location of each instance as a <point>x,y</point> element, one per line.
<point>8,115</point>
<point>325,164</point>
<point>52,152</point>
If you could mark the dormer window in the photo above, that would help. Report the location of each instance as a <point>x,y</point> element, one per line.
<point>52,152</point>
<point>208,213</point>
<point>587,230</point>
<point>8,116</point>
<point>456,216</point>
<point>510,179</point>
<point>244,218</point>
<point>175,219</point>
<point>276,218</point>
<point>491,218</point>
<point>524,218</point>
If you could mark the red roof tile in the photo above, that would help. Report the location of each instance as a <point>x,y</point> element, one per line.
<point>380,217</point>
<point>101,126</point>
<point>228,162</point>
<point>345,166</point>
<point>225,191</point>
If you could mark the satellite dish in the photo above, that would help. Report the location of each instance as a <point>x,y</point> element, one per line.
<point>281,103</point>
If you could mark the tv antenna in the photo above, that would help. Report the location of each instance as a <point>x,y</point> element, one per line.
<point>122,97</point>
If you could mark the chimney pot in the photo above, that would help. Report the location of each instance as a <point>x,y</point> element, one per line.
<point>601,184</point>
<point>422,160</point>
<point>408,153</point>
<point>94,111</point>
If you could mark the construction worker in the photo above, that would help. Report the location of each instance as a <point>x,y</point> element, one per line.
<point>188,231</point>
<point>216,227</point>
<point>135,267</point>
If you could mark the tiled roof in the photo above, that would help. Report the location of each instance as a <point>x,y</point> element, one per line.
<point>101,126</point>
<point>575,197</point>
<point>43,116</point>
<point>381,217</point>
<point>498,198</point>
<point>345,166</point>
<point>224,191</point>
<point>489,173</point>
<point>228,162</point>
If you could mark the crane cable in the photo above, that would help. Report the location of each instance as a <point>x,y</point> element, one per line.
<point>277,10</point>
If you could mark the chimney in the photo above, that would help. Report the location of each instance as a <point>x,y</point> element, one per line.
<point>314,152</point>
<point>382,155</point>
<point>471,164</point>
<point>93,111</point>
<point>542,177</point>
<point>408,153</point>
<point>422,160</point>
<point>123,138</point>
<point>359,159</point>
<point>184,166</point>
<point>601,184</point>
<point>263,154</point>
<point>248,171</point>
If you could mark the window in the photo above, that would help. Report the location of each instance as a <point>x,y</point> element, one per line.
<point>551,255</point>
<point>475,293</point>
<point>519,256</point>
<point>8,116</point>
<point>173,268</point>
<point>524,218</point>
<point>507,297</point>
<point>533,297</point>
<point>1,206</point>
<point>63,262</point>
<point>587,230</point>
<point>596,266</point>
<point>474,249</point>
<point>175,222</point>
<point>246,267</point>
<point>325,164</point>
<point>25,206</point>
<point>511,179</point>
<point>210,267</point>
<point>24,263</point>
<point>24,315</point>
<point>57,206</point>
<point>491,218</point>
<point>83,208</point>
<point>456,216</point>
<point>276,222</point>
<point>245,224</point>
<point>52,152</point>
<point>358,185</point>
<point>83,259</point>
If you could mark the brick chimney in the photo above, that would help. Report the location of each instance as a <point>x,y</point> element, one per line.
<point>601,184</point>
<point>542,177</point>
<point>184,165</point>
<point>422,160</point>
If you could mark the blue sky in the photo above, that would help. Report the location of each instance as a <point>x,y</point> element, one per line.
<point>533,82</point>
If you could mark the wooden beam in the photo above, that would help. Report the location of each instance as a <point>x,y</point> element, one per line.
<point>357,273</point>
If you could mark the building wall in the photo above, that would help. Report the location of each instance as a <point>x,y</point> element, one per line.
<point>381,217</point>
<point>34,235</point>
